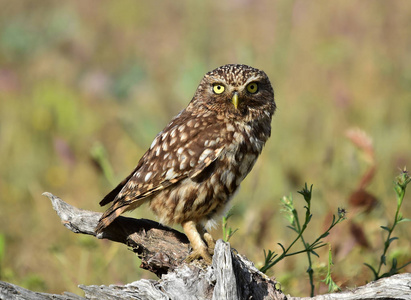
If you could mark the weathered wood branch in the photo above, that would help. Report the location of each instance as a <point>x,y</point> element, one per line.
<point>163,250</point>
<point>160,248</point>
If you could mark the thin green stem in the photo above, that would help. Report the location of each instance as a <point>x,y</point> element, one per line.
<point>401,183</point>
<point>308,249</point>
<point>284,254</point>
<point>390,231</point>
<point>386,245</point>
<point>310,270</point>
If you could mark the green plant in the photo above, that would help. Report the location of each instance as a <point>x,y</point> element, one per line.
<point>227,231</point>
<point>400,185</point>
<point>332,286</point>
<point>271,258</point>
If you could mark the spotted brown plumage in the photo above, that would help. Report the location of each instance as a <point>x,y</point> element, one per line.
<point>197,162</point>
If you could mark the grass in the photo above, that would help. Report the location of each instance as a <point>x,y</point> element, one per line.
<point>79,75</point>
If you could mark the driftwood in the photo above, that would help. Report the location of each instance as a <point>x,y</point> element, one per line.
<point>162,251</point>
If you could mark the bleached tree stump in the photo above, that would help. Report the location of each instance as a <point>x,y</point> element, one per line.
<point>163,250</point>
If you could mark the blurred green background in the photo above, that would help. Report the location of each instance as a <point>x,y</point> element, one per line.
<point>79,75</point>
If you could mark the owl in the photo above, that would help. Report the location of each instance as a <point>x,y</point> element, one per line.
<point>195,165</point>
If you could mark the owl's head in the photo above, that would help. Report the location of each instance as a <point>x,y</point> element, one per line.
<point>238,92</point>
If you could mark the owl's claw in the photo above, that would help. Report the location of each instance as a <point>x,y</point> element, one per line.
<point>210,242</point>
<point>200,249</point>
<point>204,252</point>
<point>199,253</point>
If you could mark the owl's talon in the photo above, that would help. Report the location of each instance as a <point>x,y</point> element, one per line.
<point>199,253</point>
<point>210,242</point>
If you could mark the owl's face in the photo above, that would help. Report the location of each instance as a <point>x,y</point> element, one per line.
<point>238,92</point>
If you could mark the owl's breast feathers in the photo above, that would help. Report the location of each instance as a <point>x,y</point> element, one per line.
<point>203,157</point>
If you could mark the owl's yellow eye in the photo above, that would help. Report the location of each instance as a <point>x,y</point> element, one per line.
<point>252,87</point>
<point>218,88</point>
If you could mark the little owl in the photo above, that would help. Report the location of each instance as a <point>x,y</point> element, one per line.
<point>198,161</point>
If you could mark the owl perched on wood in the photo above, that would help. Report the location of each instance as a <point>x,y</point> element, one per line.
<point>198,161</point>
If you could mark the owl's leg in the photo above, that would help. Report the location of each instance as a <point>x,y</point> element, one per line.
<point>207,237</point>
<point>199,247</point>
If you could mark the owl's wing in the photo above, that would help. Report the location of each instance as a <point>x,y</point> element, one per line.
<point>185,148</point>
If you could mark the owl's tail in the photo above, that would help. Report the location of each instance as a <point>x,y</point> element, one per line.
<point>119,206</point>
<point>109,216</point>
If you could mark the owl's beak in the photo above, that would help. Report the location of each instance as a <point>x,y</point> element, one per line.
<point>235,100</point>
